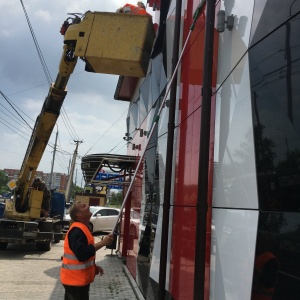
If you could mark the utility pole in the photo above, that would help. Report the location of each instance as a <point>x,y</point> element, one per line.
<point>76,177</point>
<point>54,152</point>
<point>68,174</point>
<point>71,173</point>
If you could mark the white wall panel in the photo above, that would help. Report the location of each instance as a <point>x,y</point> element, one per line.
<point>235,183</point>
<point>234,44</point>
<point>232,254</point>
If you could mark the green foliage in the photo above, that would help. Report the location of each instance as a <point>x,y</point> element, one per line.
<point>75,189</point>
<point>3,182</point>
<point>116,199</point>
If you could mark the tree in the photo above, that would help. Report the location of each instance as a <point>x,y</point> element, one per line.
<point>3,182</point>
<point>75,189</point>
<point>116,199</point>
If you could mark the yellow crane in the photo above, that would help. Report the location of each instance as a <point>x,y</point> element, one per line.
<point>111,43</point>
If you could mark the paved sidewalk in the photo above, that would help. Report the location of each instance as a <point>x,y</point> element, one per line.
<point>114,284</point>
<point>28,274</point>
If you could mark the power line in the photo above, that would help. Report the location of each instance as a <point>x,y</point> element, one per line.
<point>12,117</point>
<point>13,130</point>
<point>44,66</point>
<point>65,121</point>
<point>40,54</point>
<point>71,127</point>
<point>62,162</point>
<point>12,125</point>
<point>106,132</point>
<point>65,117</point>
<point>15,109</point>
<point>32,88</point>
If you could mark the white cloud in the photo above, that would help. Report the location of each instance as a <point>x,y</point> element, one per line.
<point>6,32</point>
<point>44,15</point>
<point>32,105</point>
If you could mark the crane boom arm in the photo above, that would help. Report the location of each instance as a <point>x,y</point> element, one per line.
<point>108,43</point>
<point>44,125</point>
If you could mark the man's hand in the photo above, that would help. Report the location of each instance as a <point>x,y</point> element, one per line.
<point>99,270</point>
<point>106,241</point>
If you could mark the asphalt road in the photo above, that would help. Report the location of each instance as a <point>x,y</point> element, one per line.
<point>26,273</point>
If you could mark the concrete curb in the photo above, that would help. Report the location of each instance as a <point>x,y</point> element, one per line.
<point>133,284</point>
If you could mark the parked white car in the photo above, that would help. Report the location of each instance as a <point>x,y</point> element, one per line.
<point>102,219</point>
<point>134,223</point>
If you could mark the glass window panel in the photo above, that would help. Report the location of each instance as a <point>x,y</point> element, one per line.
<point>134,116</point>
<point>275,77</point>
<point>144,98</point>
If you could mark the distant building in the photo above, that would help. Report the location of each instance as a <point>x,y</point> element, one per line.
<point>59,180</point>
<point>14,173</point>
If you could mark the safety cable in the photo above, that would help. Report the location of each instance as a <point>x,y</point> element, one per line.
<point>195,17</point>
<point>156,118</point>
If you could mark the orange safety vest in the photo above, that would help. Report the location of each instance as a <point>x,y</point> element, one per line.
<point>135,9</point>
<point>73,272</point>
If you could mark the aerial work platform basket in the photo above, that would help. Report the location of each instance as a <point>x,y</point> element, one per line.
<point>113,43</point>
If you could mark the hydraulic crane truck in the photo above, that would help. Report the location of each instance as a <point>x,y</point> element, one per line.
<point>111,43</point>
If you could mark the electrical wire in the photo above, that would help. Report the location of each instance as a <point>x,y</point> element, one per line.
<point>46,70</point>
<point>12,117</point>
<point>7,122</point>
<point>15,109</point>
<point>65,117</point>
<point>106,132</point>
<point>13,130</point>
<point>40,54</point>
<point>75,136</point>
<point>116,146</point>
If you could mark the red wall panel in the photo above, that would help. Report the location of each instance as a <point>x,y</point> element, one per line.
<point>187,158</point>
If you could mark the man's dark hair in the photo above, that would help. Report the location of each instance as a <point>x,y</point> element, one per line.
<point>73,211</point>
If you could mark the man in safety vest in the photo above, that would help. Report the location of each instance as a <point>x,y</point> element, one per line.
<point>138,9</point>
<point>78,263</point>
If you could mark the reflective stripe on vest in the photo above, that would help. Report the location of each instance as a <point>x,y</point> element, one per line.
<point>78,267</point>
<point>70,256</point>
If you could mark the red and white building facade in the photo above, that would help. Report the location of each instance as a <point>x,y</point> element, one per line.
<point>252,241</point>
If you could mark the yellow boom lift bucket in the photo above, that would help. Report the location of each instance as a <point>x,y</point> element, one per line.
<point>113,43</point>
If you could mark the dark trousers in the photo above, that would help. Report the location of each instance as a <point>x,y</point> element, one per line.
<point>76,292</point>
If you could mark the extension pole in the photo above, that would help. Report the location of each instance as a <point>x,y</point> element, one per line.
<point>169,162</point>
<point>169,158</point>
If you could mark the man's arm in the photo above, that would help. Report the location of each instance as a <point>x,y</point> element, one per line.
<point>79,244</point>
